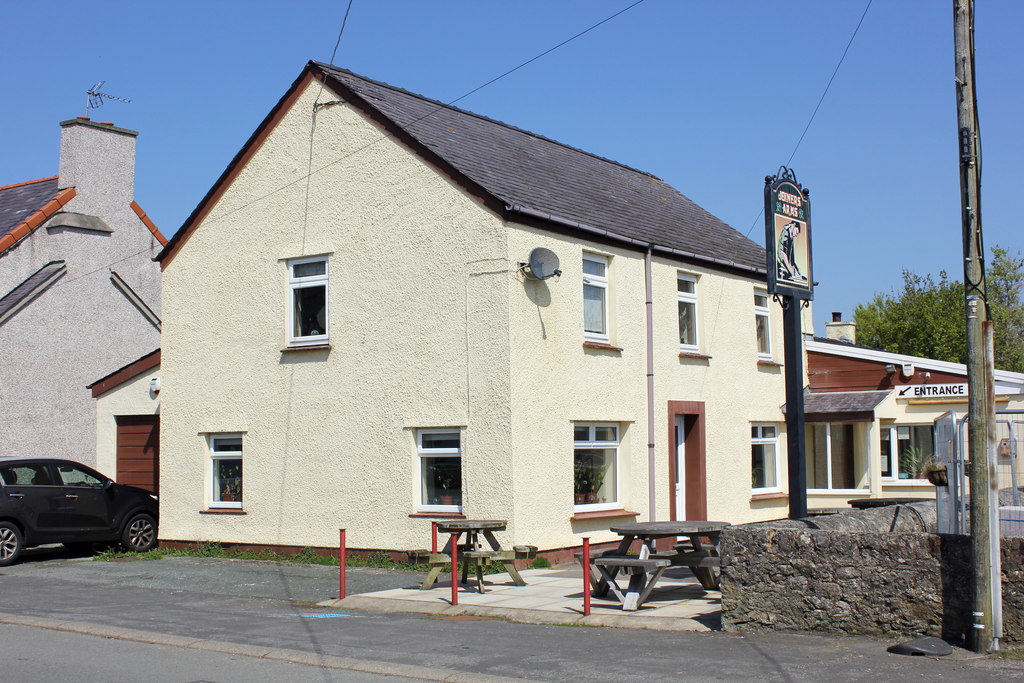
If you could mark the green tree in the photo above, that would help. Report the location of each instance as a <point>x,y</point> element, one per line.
<point>926,317</point>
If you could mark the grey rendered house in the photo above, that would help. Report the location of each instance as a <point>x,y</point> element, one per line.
<point>79,291</point>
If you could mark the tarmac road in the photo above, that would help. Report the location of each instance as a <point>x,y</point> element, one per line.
<point>261,609</point>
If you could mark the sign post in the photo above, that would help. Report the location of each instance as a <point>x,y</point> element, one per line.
<point>787,221</point>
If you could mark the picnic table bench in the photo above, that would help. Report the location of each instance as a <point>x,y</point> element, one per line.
<point>646,568</point>
<point>644,574</point>
<point>473,553</point>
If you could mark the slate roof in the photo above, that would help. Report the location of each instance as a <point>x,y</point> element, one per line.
<point>30,286</point>
<point>848,405</point>
<point>18,202</point>
<point>541,176</point>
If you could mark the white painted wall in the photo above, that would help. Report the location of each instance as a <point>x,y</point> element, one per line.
<point>419,329</point>
<point>432,325</point>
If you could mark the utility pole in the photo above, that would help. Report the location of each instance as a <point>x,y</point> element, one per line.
<point>981,409</point>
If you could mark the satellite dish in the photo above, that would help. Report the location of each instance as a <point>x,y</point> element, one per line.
<point>543,264</point>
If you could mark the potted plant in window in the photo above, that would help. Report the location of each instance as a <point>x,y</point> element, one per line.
<point>588,479</point>
<point>581,480</point>
<point>446,479</point>
<point>913,463</point>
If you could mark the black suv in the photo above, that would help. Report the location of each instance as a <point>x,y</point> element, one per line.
<point>48,500</point>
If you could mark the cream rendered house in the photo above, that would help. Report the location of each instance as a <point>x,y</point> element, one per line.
<point>353,337</point>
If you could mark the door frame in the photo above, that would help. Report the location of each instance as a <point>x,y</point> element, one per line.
<point>694,458</point>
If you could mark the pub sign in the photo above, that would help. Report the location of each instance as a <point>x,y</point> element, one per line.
<point>787,211</point>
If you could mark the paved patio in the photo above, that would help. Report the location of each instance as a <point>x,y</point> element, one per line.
<point>554,596</point>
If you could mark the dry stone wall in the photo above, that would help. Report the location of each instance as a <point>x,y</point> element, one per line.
<point>873,572</point>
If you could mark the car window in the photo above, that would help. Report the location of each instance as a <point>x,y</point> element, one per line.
<point>26,475</point>
<point>73,476</point>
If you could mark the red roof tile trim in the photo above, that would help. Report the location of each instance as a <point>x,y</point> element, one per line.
<point>130,371</point>
<point>28,182</point>
<point>22,230</point>
<point>149,223</point>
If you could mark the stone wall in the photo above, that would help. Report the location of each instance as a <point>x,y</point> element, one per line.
<point>873,572</point>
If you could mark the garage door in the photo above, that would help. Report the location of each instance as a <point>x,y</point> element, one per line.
<point>138,451</point>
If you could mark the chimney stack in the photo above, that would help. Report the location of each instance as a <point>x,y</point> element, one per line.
<point>841,331</point>
<point>98,160</point>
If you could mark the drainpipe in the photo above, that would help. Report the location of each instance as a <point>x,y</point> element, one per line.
<point>651,460</point>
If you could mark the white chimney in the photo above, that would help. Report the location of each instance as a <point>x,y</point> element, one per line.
<point>840,330</point>
<point>98,160</point>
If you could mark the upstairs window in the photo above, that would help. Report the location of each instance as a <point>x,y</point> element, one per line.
<point>686,289</point>
<point>307,306</point>
<point>595,298</point>
<point>762,323</point>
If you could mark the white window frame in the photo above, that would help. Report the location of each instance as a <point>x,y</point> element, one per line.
<point>765,313</point>
<point>689,298</point>
<point>216,455</point>
<point>296,283</point>
<point>593,443</point>
<point>772,441</point>
<point>894,454</point>
<point>828,463</point>
<point>423,452</point>
<point>599,282</point>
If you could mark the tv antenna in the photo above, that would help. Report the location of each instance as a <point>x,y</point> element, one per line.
<point>95,99</point>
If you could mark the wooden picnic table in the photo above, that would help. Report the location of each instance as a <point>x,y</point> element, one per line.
<point>647,567</point>
<point>473,534</point>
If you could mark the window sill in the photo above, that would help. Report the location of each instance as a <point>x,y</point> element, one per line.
<point>691,355</point>
<point>764,363</point>
<point>768,496</point>
<point>440,515</point>
<point>601,346</point>
<point>309,347</point>
<point>600,514</point>
<point>222,511</point>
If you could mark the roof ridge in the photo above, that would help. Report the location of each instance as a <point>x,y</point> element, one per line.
<point>484,118</point>
<point>29,182</point>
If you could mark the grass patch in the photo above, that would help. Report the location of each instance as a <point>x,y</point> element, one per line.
<point>380,560</point>
<point>1015,655</point>
<point>540,563</point>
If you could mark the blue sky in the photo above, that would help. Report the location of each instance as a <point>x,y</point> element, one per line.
<point>709,96</point>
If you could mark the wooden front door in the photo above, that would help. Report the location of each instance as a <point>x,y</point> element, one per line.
<point>687,461</point>
<point>138,451</point>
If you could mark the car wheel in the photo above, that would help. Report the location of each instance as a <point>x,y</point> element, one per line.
<point>139,533</point>
<point>11,544</point>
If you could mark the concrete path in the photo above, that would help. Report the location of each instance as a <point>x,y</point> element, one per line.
<point>554,596</point>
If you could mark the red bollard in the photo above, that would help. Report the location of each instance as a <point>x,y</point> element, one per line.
<point>341,564</point>
<point>455,569</point>
<point>586,576</point>
<point>433,537</point>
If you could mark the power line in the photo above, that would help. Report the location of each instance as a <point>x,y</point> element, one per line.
<point>829,85</point>
<point>343,22</point>
<point>820,100</point>
<point>440,107</point>
<point>548,51</point>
